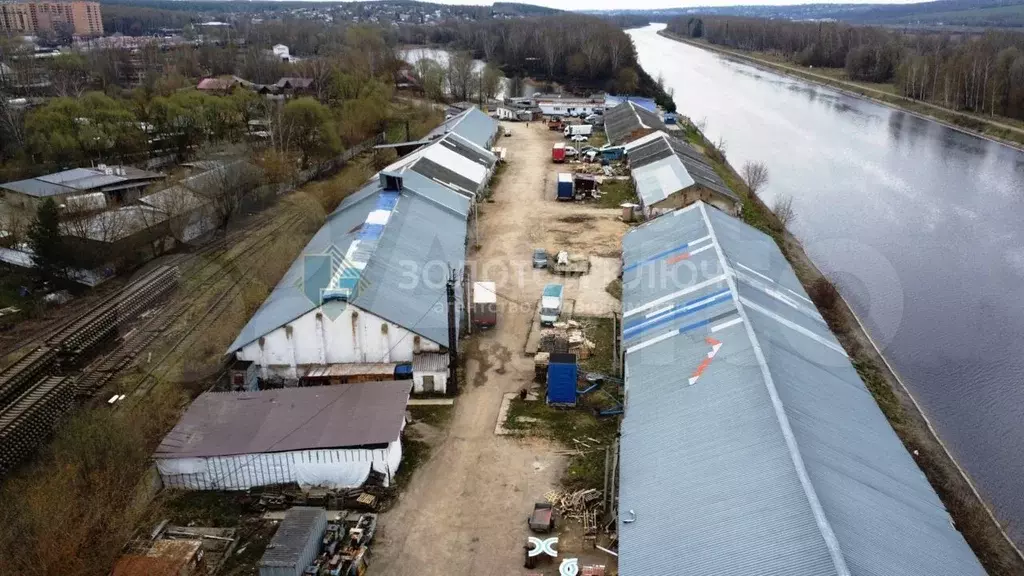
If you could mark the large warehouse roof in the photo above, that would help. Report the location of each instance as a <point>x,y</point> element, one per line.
<point>662,165</point>
<point>366,249</point>
<point>286,419</point>
<point>472,125</point>
<point>749,443</point>
<point>627,119</point>
<point>79,180</point>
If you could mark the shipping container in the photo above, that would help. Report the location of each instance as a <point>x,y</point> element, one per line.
<point>564,189</point>
<point>562,374</point>
<point>296,543</point>
<point>558,152</point>
<point>485,304</point>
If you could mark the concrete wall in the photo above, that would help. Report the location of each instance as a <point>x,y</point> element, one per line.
<point>440,385</point>
<point>314,339</point>
<point>689,196</point>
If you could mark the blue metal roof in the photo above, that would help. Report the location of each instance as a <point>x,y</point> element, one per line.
<point>424,232</point>
<point>641,101</point>
<point>750,446</point>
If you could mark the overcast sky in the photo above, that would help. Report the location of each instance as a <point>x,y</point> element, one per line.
<point>649,4</point>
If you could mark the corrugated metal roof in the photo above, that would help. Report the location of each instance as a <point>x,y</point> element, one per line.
<point>473,125</point>
<point>302,525</point>
<point>749,443</point>
<point>426,231</point>
<point>622,121</point>
<point>282,420</point>
<point>659,162</point>
<point>80,179</point>
<point>429,362</point>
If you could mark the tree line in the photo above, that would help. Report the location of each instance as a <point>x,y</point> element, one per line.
<point>582,52</point>
<point>981,73</point>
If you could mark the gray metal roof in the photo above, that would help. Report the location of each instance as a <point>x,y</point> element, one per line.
<point>750,446</point>
<point>287,419</point>
<point>662,165</point>
<point>300,531</point>
<point>473,125</point>
<point>426,231</point>
<point>430,362</point>
<point>623,120</point>
<point>80,180</point>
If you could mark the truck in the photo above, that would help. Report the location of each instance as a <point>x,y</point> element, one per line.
<point>570,264</point>
<point>558,152</point>
<point>555,124</point>
<point>550,304</point>
<point>578,130</point>
<point>485,305</point>
<point>563,189</point>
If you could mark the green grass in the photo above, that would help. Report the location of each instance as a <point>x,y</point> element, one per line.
<point>616,192</point>
<point>599,331</point>
<point>222,509</point>
<point>436,416</point>
<point>615,288</point>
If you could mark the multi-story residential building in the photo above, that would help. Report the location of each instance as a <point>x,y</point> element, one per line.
<point>38,17</point>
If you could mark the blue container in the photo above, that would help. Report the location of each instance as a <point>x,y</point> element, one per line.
<point>564,190</point>
<point>562,373</point>
<point>403,372</point>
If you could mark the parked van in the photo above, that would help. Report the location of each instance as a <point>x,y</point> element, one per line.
<point>485,304</point>
<point>550,304</point>
<point>578,130</point>
<point>558,152</point>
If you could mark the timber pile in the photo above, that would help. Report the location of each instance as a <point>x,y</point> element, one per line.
<point>31,418</point>
<point>581,505</point>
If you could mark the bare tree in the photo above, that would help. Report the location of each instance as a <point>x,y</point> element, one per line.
<point>226,189</point>
<point>755,174</point>
<point>783,209</point>
<point>460,75</point>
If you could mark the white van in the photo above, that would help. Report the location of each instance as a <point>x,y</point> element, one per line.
<point>550,304</point>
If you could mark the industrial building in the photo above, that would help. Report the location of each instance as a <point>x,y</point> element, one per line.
<point>32,18</point>
<point>749,443</point>
<point>629,121</point>
<point>471,124</point>
<point>330,436</point>
<point>370,287</point>
<point>669,173</point>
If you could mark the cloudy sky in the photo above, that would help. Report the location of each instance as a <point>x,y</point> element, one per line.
<point>648,4</point>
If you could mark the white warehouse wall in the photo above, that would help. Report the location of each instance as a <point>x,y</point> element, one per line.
<point>313,339</point>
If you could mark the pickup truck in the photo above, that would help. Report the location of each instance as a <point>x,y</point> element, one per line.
<point>550,304</point>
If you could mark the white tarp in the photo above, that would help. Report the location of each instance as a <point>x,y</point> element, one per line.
<point>330,468</point>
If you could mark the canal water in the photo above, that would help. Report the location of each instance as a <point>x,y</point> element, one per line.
<point>921,226</point>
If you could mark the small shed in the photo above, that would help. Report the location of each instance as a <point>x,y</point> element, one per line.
<point>296,544</point>
<point>430,373</point>
<point>584,185</point>
<point>243,376</point>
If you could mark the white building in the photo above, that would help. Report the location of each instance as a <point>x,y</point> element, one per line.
<point>557,106</point>
<point>330,436</point>
<point>281,51</point>
<point>370,287</point>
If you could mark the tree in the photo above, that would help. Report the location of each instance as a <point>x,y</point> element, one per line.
<point>226,188</point>
<point>755,174</point>
<point>432,78</point>
<point>48,251</point>
<point>460,75</point>
<point>68,74</point>
<point>783,209</point>
<point>490,81</point>
<point>311,130</point>
<point>627,81</point>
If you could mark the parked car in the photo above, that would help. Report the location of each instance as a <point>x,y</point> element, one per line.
<point>571,152</point>
<point>550,304</point>
<point>579,138</point>
<point>540,258</point>
<point>508,132</point>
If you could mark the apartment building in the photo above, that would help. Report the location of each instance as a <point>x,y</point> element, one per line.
<point>39,17</point>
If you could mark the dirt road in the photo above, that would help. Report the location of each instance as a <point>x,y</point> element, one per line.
<point>464,511</point>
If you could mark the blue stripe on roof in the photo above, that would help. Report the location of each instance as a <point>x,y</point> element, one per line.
<point>639,321</point>
<point>658,321</point>
<point>661,254</point>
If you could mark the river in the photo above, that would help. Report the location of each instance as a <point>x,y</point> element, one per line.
<point>922,227</point>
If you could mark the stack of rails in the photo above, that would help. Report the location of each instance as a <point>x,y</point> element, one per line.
<point>81,337</point>
<point>31,418</point>
<point>28,370</point>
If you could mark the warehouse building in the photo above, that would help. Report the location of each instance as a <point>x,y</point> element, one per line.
<point>669,174</point>
<point>370,287</point>
<point>472,125</point>
<point>330,436</point>
<point>749,444</point>
<point>629,121</point>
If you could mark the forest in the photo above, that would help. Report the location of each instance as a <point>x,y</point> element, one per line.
<point>584,53</point>
<point>982,73</point>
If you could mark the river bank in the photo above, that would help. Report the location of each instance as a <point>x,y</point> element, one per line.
<point>973,124</point>
<point>971,514</point>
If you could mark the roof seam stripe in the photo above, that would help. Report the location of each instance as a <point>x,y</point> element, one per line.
<point>829,536</point>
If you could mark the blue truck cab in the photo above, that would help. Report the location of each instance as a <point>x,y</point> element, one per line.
<point>550,304</point>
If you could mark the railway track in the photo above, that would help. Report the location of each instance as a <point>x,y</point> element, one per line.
<point>39,389</point>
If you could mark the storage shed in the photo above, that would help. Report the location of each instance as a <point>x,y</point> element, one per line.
<point>562,376</point>
<point>329,436</point>
<point>430,373</point>
<point>296,544</point>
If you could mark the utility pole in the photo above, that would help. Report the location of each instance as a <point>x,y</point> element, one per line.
<point>453,337</point>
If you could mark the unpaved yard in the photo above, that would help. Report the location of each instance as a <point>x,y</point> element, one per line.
<point>465,509</point>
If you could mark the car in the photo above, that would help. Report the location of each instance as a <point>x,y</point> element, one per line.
<point>508,132</point>
<point>571,152</point>
<point>540,258</point>
<point>579,138</point>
